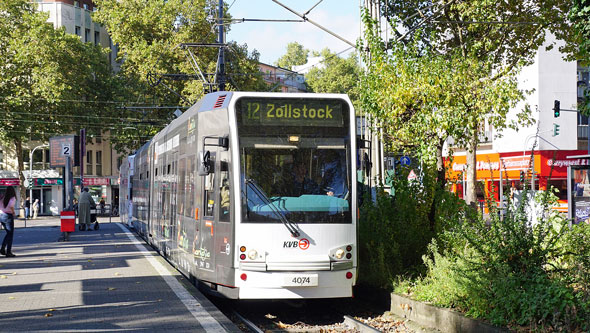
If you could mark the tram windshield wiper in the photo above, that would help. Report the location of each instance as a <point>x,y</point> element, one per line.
<point>260,193</point>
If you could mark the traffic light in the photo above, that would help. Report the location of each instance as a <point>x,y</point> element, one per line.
<point>555,129</point>
<point>556,109</point>
<point>521,176</point>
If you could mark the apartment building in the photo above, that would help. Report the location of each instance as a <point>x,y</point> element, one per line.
<point>504,158</point>
<point>101,161</point>
<point>286,80</point>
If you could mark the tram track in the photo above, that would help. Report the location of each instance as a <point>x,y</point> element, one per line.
<point>321,315</point>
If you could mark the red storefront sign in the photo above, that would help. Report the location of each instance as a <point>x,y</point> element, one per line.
<point>96,181</point>
<point>559,162</point>
<point>10,182</point>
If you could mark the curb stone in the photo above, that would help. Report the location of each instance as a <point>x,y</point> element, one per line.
<point>442,319</point>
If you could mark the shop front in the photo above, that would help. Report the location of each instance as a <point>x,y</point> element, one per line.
<point>49,192</point>
<point>501,174</point>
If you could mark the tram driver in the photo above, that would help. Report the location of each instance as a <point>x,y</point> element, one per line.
<point>300,181</point>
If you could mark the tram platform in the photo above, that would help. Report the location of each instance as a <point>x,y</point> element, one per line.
<point>104,280</point>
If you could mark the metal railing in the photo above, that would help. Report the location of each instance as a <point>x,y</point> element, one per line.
<point>582,131</point>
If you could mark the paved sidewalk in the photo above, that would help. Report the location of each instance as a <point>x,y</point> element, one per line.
<point>104,280</point>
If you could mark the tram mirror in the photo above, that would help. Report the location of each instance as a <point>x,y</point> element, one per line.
<point>224,142</point>
<point>204,163</point>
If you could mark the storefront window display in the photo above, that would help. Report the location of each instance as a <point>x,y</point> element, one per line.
<point>580,194</point>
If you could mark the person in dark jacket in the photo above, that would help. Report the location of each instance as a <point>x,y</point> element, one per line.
<point>85,204</point>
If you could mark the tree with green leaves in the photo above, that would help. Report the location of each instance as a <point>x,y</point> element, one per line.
<point>50,81</point>
<point>336,75</point>
<point>497,37</point>
<point>149,35</point>
<point>422,99</point>
<point>296,56</point>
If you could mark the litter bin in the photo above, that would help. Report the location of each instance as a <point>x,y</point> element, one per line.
<point>68,221</point>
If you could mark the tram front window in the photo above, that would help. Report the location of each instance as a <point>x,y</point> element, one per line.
<point>298,173</point>
<point>305,185</point>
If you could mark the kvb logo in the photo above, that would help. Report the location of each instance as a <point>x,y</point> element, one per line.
<point>302,244</point>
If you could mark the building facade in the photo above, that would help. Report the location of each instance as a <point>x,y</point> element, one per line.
<point>101,161</point>
<point>504,158</point>
<point>283,79</point>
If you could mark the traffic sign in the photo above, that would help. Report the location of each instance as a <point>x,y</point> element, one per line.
<point>405,160</point>
<point>412,175</point>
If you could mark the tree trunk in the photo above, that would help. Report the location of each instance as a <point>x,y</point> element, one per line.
<point>471,163</point>
<point>18,145</point>
<point>441,183</point>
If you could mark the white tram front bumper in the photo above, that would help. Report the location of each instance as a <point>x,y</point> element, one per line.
<point>308,284</point>
<point>312,277</point>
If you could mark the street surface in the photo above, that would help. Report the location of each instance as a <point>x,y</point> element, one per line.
<point>105,280</point>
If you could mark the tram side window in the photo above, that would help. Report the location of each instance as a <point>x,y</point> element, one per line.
<point>209,196</point>
<point>224,192</point>
<point>181,186</point>
<point>190,187</point>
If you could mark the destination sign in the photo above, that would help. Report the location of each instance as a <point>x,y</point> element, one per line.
<point>291,112</point>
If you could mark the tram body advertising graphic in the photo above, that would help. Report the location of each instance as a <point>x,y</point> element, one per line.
<point>254,194</point>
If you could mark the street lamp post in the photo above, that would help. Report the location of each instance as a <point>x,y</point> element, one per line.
<point>31,170</point>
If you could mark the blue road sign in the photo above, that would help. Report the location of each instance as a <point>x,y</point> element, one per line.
<point>404,160</point>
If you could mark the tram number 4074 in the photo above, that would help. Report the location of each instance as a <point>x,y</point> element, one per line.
<point>308,280</point>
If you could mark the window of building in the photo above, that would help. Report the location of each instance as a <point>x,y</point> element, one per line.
<point>96,37</point>
<point>77,4</point>
<point>78,31</point>
<point>26,153</point>
<point>87,35</point>
<point>99,163</point>
<point>89,162</point>
<point>86,6</point>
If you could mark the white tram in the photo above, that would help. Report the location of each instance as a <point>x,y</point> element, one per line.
<point>254,194</point>
<point>125,190</point>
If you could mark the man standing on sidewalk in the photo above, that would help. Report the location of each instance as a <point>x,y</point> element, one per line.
<point>27,208</point>
<point>84,205</point>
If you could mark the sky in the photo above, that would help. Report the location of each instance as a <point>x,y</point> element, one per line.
<point>271,38</point>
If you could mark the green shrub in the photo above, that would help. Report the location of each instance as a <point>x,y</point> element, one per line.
<point>394,230</point>
<point>512,271</point>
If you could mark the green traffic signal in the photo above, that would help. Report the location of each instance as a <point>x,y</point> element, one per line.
<point>556,109</point>
<point>555,129</point>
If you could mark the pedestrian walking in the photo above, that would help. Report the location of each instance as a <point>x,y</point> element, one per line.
<point>35,208</point>
<point>84,205</point>
<point>27,207</point>
<point>101,204</point>
<point>7,219</point>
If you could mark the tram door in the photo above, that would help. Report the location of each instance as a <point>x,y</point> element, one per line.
<point>204,254</point>
<point>223,240</point>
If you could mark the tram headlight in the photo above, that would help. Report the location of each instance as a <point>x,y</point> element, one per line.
<point>339,254</point>
<point>252,254</point>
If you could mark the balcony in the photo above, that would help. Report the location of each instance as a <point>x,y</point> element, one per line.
<point>485,137</point>
<point>582,131</point>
